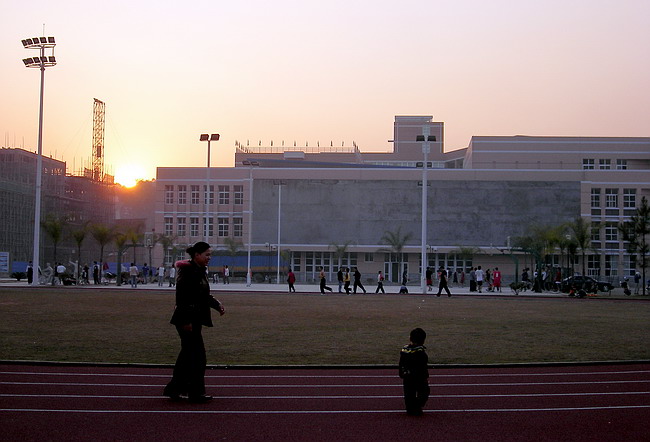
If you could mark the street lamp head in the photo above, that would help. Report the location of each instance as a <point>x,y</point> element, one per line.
<point>214,137</point>
<point>204,137</point>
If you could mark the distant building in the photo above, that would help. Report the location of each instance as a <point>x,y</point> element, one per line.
<point>329,198</point>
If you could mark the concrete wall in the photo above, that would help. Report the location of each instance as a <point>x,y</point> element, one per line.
<point>476,213</point>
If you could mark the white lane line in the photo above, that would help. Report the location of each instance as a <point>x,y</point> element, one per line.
<point>475,410</point>
<point>432,385</point>
<point>433,374</point>
<point>434,396</point>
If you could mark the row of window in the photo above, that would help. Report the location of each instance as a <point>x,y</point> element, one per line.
<point>190,226</point>
<point>180,194</point>
<point>612,198</point>
<point>603,164</point>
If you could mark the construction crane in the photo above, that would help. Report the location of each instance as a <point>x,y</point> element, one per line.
<point>98,140</point>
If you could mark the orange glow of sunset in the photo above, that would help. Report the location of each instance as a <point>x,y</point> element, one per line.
<point>129,174</point>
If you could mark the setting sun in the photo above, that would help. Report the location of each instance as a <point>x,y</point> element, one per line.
<point>128,175</point>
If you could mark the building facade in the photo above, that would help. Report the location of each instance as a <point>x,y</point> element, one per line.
<point>335,206</point>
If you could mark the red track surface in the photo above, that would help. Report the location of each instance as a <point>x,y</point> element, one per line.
<point>600,402</point>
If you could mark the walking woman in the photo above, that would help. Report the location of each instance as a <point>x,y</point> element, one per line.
<point>193,303</point>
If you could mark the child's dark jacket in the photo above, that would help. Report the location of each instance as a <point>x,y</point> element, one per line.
<point>413,363</point>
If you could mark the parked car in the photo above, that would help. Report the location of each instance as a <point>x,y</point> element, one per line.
<point>586,283</point>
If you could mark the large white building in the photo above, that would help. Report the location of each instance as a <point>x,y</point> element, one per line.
<point>310,202</point>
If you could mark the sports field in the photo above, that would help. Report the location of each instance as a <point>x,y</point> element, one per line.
<point>131,326</point>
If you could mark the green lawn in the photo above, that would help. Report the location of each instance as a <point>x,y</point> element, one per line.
<point>108,325</point>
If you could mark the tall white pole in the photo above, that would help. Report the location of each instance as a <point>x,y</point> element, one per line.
<point>250,223</point>
<point>277,278</point>
<point>425,181</point>
<point>39,180</point>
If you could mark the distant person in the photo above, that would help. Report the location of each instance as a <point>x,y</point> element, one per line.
<point>479,279</point>
<point>405,277</point>
<point>496,279</point>
<point>357,281</point>
<point>95,273</point>
<point>60,272</point>
<point>192,312</point>
<point>637,282</point>
<point>226,275</point>
<point>323,282</point>
<point>346,281</point>
<point>291,279</point>
<point>30,273</point>
<point>145,273</point>
<point>442,284</point>
<point>172,276</point>
<point>429,277</point>
<point>161,275</point>
<point>339,277</point>
<point>380,282</point>
<point>414,371</point>
<point>133,275</point>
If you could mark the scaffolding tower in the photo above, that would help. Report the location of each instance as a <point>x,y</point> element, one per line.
<point>98,140</point>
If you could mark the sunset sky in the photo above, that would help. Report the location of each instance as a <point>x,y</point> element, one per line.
<point>310,71</point>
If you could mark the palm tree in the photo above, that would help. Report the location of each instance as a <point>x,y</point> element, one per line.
<point>134,235</point>
<point>53,227</point>
<point>232,247</point>
<point>340,251</point>
<point>635,233</point>
<point>120,241</point>
<point>396,241</point>
<point>582,234</point>
<point>79,236</point>
<point>167,242</point>
<point>103,235</point>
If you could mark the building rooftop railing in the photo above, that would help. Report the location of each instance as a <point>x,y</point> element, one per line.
<point>241,148</point>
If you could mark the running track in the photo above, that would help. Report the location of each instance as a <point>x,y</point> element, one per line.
<point>568,403</point>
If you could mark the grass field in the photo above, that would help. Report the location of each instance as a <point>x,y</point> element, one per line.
<point>108,325</point>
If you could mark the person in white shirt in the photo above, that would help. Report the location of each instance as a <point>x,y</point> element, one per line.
<point>172,276</point>
<point>133,273</point>
<point>161,275</point>
<point>479,279</point>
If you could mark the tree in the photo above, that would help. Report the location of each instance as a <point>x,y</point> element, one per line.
<point>79,236</point>
<point>582,235</point>
<point>232,247</point>
<point>103,235</point>
<point>396,241</point>
<point>134,236</point>
<point>340,251</point>
<point>120,241</point>
<point>635,233</point>
<point>167,242</point>
<point>53,227</point>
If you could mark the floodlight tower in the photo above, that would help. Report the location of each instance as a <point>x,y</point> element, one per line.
<point>99,112</point>
<point>41,62</point>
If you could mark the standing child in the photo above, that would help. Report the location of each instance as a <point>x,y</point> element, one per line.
<point>414,371</point>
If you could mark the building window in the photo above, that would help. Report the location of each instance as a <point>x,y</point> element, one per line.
<point>223,226</point>
<point>369,257</point>
<point>611,265</point>
<point>295,262</point>
<point>611,197</point>
<point>208,196</point>
<point>194,226</point>
<point>224,194</point>
<point>593,265</point>
<point>588,163</point>
<point>595,231</point>
<point>629,198</point>
<point>238,195</point>
<point>194,195</point>
<point>169,194</point>
<point>621,164</point>
<point>611,232</point>
<point>604,164</point>
<point>169,225</point>
<point>182,194</point>
<point>208,227</point>
<point>595,198</point>
<point>237,227</point>
<point>181,227</point>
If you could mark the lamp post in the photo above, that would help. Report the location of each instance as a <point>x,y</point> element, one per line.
<point>208,138</point>
<point>250,165</point>
<point>40,62</point>
<point>425,139</point>
<point>279,183</point>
